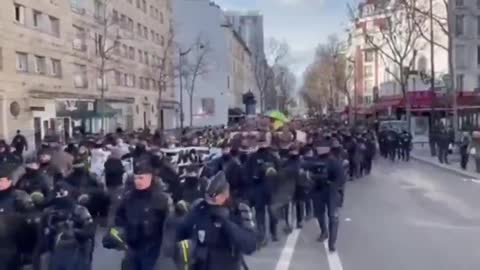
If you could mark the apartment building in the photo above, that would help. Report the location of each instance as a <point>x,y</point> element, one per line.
<point>66,65</point>
<point>242,78</point>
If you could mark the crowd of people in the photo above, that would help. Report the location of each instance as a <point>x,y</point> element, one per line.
<point>221,193</point>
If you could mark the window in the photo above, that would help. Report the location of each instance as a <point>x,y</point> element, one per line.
<point>368,100</point>
<point>152,11</point>
<point>478,82</point>
<point>130,24</point>
<point>22,62</point>
<point>130,80</point>
<point>208,106</point>
<point>157,37</point>
<point>152,34</point>
<point>156,13</point>
<point>228,82</point>
<point>162,41</point>
<point>139,29</point>
<point>79,39</point>
<point>80,76</point>
<point>459,3</point>
<point>54,26</point>
<point>115,16</point>
<point>124,50</point>
<point>144,6</point>
<point>123,21</point>
<point>125,79</point>
<point>37,19</point>
<point>422,64</point>
<point>56,68</point>
<point>369,56</point>
<point>99,9</point>
<point>20,14</point>
<point>40,65</point>
<point>368,85</point>
<point>141,83</point>
<point>138,3</point>
<point>478,3</point>
<point>146,58</point>
<point>147,83</point>
<point>460,56</point>
<point>140,56</point>
<point>368,71</point>
<point>131,53</point>
<point>161,17</point>
<point>98,44</point>
<point>145,32</point>
<point>1,58</point>
<point>459,25</point>
<point>77,6</point>
<point>117,48</point>
<point>118,78</point>
<point>459,82</point>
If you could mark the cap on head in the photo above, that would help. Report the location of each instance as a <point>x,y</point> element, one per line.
<point>142,166</point>
<point>216,185</point>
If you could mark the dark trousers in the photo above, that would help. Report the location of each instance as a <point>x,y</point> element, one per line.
<point>261,212</point>
<point>327,200</point>
<point>78,258</point>
<point>433,148</point>
<point>477,164</point>
<point>463,160</point>
<point>142,259</point>
<point>443,155</point>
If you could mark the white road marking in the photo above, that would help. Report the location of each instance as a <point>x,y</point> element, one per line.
<point>333,259</point>
<point>287,251</point>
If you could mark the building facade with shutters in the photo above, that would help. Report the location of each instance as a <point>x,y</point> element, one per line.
<point>66,65</point>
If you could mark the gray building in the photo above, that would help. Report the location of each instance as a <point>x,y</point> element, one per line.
<point>250,26</point>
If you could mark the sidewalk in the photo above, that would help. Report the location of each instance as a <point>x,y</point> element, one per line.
<point>422,153</point>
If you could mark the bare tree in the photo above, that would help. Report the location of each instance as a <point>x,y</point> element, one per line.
<point>276,52</point>
<point>284,83</point>
<point>110,30</point>
<point>162,70</point>
<point>396,40</point>
<point>196,65</point>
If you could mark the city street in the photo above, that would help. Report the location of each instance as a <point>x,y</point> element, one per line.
<point>403,216</point>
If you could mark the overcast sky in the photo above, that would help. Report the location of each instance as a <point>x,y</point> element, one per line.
<point>301,23</point>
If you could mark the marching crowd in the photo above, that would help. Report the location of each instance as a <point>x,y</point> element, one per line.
<point>221,193</point>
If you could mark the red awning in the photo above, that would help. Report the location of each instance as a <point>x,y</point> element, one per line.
<point>419,99</point>
<point>384,103</point>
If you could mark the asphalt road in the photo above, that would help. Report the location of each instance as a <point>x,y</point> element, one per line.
<point>403,216</point>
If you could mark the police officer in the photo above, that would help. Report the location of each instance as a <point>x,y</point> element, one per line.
<point>406,143</point>
<point>142,214</point>
<point>328,176</point>
<point>85,187</point>
<point>35,183</point>
<point>261,169</point>
<point>69,231</point>
<point>222,231</point>
<point>14,205</point>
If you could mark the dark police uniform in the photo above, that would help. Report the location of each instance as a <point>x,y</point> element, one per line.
<point>221,234</point>
<point>142,214</point>
<point>69,232</point>
<point>15,206</point>
<point>258,167</point>
<point>328,178</point>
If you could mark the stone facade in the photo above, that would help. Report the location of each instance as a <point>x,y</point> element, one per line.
<point>51,66</point>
